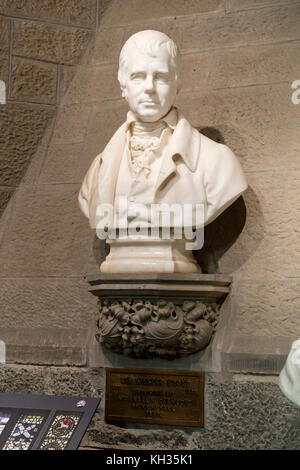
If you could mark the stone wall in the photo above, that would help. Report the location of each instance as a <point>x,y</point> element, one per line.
<point>239,60</point>
<point>40,42</point>
<point>244,413</point>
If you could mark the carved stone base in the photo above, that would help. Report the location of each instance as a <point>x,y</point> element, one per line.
<point>163,315</point>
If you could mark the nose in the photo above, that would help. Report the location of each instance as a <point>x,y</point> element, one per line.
<point>150,84</point>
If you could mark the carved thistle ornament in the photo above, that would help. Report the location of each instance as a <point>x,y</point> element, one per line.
<point>162,328</point>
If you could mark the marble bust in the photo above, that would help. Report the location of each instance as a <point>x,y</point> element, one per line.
<point>289,379</point>
<point>156,160</point>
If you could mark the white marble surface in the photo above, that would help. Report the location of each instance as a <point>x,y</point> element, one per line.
<point>193,169</point>
<point>289,379</point>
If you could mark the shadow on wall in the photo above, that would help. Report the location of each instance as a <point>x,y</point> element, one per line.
<point>237,232</point>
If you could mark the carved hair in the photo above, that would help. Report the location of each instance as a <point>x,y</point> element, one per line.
<point>147,42</point>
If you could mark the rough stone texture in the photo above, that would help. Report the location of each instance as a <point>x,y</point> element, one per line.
<point>24,296</point>
<point>71,124</point>
<point>66,74</point>
<point>94,84</point>
<point>34,168</point>
<point>53,237</point>
<point>244,118</point>
<point>4,33</point>
<point>60,333</point>
<point>241,413</point>
<point>5,196</point>
<point>4,67</point>
<point>51,380</point>
<point>63,346</point>
<point>268,308</point>
<point>58,44</point>
<point>247,66</point>
<point>33,81</point>
<point>241,28</point>
<point>28,80</point>
<point>21,128</point>
<point>133,11</point>
<point>73,12</point>
<point>106,46</point>
<point>244,4</point>
<point>61,164</point>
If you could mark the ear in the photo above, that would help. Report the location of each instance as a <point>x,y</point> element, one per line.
<point>124,93</point>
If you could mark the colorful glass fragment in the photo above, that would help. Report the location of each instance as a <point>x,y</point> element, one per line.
<point>24,432</point>
<point>60,431</point>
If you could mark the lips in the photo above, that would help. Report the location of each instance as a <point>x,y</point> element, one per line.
<point>148,102</point>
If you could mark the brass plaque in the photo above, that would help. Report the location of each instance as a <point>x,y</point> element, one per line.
<point>154,396</point>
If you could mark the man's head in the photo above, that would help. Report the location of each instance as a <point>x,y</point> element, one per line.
<point>148,74</point>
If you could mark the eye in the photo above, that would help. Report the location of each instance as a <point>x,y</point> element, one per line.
<point>137,76</point>
<point>162,77</point>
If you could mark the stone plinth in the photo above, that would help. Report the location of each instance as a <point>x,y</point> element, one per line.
<point>166,316</point>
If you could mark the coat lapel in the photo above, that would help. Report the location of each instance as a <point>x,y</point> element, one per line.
<point>185,142</point>
<point>110,165</point>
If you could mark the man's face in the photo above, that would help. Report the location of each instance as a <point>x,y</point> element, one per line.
<point>150,88</point>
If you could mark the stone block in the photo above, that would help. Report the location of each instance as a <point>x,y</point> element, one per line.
<point>277,193</point>
<point>22,127</point>
<point>53,346</point>
<point>133,11</point>
<point>170,26</point>
<point>245,119</point>
<point>96,83</point>
<point>34,168</point>
<point>6,214</point>
<point>245,4</point>
<point>242,28</point>
<point>5,195</point>
<point>58,44</point>
<point>47,303</point>
<point>33,81</point>
<point>4,34</point>
<point>195,71</point>
<point>71,124</point>
<point>241,67</point>
<point>48,235</point>
<point>266,308</point>
<point>106,118</point>
<point>268,243</point>
<point>73,12</point>
<point>49,380</point>
<point>66,75</point>
<point>60,165</point>
<point>276,257</point>
<point>106,46</point>
<point>4,60</point>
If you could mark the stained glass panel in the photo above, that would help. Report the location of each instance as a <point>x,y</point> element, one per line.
<point>60,431</point>
<point>24,432</point>
<point>4,419</point>
<point>31,422</point>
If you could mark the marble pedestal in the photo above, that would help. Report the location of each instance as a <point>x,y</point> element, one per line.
<point>166,316</point>
<point>146,255</point>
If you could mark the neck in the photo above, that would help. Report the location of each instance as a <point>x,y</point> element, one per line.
<point>141,128</point>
